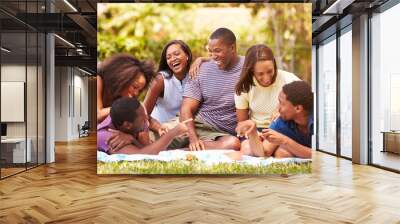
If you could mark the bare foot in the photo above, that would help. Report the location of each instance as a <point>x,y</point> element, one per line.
<point>236,155</point>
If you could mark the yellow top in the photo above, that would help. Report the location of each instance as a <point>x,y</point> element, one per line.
<point>261,101</point>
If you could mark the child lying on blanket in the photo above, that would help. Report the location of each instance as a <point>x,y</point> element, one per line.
<point>290,134</point>
<point>128,116</point>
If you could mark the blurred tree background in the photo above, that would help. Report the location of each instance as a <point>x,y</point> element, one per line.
<point>142,29</point>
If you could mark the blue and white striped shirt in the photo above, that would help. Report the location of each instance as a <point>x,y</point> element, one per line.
<point>215,89</point>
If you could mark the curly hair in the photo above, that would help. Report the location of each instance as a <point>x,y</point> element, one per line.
<point>119,71</point>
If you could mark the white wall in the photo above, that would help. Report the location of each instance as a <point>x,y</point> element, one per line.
<point>61,103</point>
<point>34,124</point>
<point>80,97</point>
<point>71,94</point>
<point>13,73</point>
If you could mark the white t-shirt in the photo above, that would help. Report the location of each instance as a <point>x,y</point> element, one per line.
<point>261,101</point>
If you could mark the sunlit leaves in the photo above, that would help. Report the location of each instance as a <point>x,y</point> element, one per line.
<point>143,29</point>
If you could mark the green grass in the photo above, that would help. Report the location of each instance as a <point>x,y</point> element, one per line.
<point>197,167</point>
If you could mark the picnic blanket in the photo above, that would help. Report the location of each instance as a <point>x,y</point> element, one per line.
<point>209,157</point>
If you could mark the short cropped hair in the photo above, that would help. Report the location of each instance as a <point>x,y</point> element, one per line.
<point>299,93</point>
<point>225,34</point>
<point>124,109</point>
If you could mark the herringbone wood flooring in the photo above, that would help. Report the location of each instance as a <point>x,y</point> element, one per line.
<point>69,191</point>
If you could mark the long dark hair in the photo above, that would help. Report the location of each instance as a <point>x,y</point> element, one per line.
<point>163,65</point>
<point>255,53</point>
<point>118,72</point>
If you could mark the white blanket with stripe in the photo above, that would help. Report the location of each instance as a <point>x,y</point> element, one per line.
<point>209,157</point>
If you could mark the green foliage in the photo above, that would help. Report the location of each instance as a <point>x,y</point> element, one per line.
<point>139,29</point>
<point>143,29</point>
<point>197,167</point>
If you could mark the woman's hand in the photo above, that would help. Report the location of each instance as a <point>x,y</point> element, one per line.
<point>195,67</point>
<point>245,128</point>
<point>118,140</point>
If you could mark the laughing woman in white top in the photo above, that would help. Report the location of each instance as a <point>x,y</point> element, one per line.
<point>164,97</point>
<point>258,88</point>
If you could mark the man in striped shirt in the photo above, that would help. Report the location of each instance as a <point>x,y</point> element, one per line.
<point>210,97</point>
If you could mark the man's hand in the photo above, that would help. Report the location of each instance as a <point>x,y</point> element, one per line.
<point>196,145</point>
<point>275,137</point>
<point>118,140</point>
<point>195,67</point>
<point>245,128</point>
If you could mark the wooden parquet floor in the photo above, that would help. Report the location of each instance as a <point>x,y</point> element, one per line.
<point>70,191</point>
<point>10,171</point>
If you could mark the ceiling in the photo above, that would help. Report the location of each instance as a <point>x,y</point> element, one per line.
<point>74,22</point>
<point>331,15</point>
